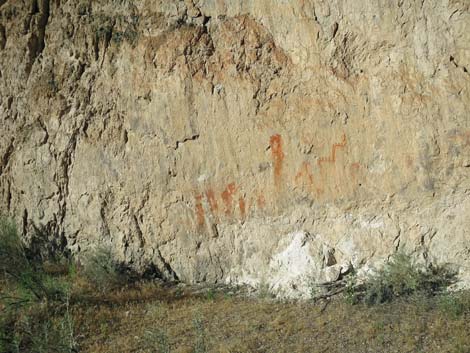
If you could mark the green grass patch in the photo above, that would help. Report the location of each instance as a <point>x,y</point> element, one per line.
<point>401,276</point>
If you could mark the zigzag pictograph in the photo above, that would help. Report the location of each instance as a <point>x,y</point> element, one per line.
<point>332,157</point>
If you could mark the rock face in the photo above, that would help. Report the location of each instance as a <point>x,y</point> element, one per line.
<point>239,141</point>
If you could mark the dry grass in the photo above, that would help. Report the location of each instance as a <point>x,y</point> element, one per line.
<point>121,322</point>
<point>125,320</point>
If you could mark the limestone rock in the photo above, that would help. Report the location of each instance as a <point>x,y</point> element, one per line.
<point>239,141</point>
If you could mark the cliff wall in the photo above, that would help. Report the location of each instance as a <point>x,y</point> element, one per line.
<point>239,141</point>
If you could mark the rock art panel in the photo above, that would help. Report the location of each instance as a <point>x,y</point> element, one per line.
<point>204,139</point>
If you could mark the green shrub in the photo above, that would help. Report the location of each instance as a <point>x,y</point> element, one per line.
<point>13,260</point>
<point>101,269</point>
<point>210,294</point>
<point>264,291</point>
<point>18,267</point>
<point>36,329</point>
<point>401,276</point>
<point>35,326</point>
<point>34,303</point>
<point>351,289</point>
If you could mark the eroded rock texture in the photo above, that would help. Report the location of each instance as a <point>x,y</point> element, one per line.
<point>239,141</point>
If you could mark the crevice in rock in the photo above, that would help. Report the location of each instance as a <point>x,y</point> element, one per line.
<point>145,198</point>
<point>6,157</point>
<point>457,66</point>
<point>40,12</point>
<point>139,232</point>
<point>9,195</point>
<point>107,39</point>
<point>167,272</point>
<point>3,37</point>
<point>125,136</point>
<point>62,177</point>
<point>96,49</point>
<point>396,241</point>
<point>191,138</point>
<point>104,220</point>
<point>44,128</point>
<point>25,222</point>
<point>334,30</point>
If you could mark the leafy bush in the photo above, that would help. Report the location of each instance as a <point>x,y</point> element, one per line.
<point>102,270</point>
<point>34,303</point>
<point>36,328</point>
<point>12,253</point>
<point>401,276</point>
<point>17,266</point>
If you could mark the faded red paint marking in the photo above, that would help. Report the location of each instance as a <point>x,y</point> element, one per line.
<point>201,220</point>
<point>317,182</point>
<point>227,196</point>
<point>409,161</point>
<point>304,173</point>
<point>306,138</point>
<point>355,168</point>
<point>278,157</point>
<point>242,205</point>
<point>261,201</point>
<point>332,157</point>
<point>464,137</point>
<point>212,201</point>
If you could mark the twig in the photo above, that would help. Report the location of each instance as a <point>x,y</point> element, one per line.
<point>324,306</point>
<point>330,294</point>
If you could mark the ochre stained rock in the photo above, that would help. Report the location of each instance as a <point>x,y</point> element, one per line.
<point>239,141</point>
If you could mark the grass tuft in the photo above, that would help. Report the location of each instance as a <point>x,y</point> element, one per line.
<point>200,345</point>
<point>157,341</point>
<point>102,270</point>
<point>400,277</point>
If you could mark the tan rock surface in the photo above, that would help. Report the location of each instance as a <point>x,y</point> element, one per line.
<point>239,141</point>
